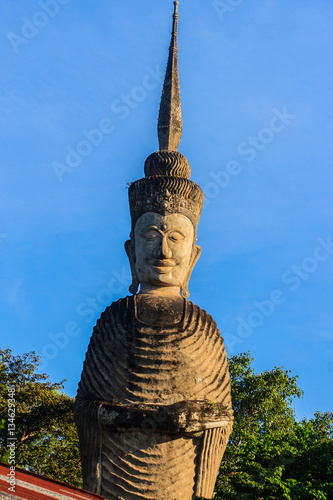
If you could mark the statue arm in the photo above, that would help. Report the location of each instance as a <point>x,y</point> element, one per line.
<point>186,417</point>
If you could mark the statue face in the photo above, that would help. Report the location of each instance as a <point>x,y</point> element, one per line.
<point>163,249</point>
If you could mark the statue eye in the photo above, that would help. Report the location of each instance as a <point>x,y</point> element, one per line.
<point>176,236</point>
<point>150,235</point>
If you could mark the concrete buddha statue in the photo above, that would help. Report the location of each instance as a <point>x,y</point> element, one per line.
<point>153,408</point>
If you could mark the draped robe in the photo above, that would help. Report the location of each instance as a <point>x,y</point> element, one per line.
<point>159,352</point>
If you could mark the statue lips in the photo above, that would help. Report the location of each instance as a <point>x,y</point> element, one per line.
<point>162,266</point>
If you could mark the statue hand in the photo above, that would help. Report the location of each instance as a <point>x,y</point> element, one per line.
<point>196,416</point>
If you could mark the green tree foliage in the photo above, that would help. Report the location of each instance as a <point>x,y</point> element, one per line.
<point>47,441</point>
<point>272,456</point>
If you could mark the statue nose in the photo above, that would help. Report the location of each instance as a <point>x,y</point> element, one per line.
<point>163,250</point>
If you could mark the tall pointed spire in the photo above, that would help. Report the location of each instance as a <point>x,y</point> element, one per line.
<point>170,124</point>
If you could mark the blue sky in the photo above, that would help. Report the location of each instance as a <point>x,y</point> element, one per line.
<point>80,90</point>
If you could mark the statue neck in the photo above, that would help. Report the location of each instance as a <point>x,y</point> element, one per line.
<point>162,291</point>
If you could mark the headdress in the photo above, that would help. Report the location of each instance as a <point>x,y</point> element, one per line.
<point>166,187</point>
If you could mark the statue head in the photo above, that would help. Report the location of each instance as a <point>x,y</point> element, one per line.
<point>165,211</point>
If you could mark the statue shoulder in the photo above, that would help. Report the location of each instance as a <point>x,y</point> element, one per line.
<point>198,314</point>
<point>118,308</point>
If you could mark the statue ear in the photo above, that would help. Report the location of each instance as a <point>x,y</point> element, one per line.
<point>195,256</point>
<point>129,247</point>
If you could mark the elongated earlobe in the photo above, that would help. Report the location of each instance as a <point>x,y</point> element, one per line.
<point>195,256</point>
<point>129,247</point>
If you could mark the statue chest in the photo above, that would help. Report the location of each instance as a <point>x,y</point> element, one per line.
<point>172,360</point>
<point>166,364</point>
